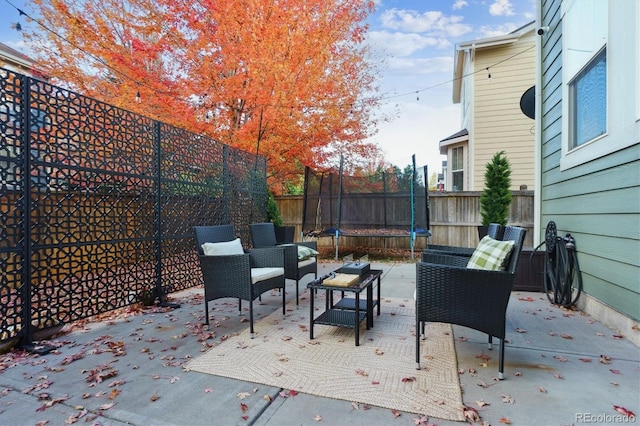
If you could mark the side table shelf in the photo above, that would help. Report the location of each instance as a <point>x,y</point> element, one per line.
<point>340,318</point>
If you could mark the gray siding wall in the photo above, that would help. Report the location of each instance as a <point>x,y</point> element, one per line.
<point>598,202</point>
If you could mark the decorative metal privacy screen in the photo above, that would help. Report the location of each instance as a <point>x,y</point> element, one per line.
<point>98,204</point>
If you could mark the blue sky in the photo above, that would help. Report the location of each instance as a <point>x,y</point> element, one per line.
<point>415,42</point>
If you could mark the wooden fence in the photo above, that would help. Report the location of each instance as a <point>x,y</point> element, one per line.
<point>454,220</point>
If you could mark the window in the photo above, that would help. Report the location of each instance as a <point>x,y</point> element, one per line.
<point>586,87</point>
<point>588,102</point>
<point>457,169</point>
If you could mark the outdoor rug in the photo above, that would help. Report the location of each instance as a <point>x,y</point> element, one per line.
<point>380,372</point>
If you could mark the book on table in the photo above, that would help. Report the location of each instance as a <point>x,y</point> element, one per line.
<point>342,280</point>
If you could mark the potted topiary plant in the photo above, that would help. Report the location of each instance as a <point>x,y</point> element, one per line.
<point>284,234</point>
<point>495,199</point>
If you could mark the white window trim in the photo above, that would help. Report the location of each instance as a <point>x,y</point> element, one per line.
<point>615,139</point>
<point>572,157</point>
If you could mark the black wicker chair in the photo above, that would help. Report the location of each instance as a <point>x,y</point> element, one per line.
<point>230,275</point>
<point>449,292</point>
<point>494,230</point>
<point>263,235</point>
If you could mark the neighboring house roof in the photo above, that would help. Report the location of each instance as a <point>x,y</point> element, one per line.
<point>463,48</point>
<point>10,54</point>
<point>457,137</point>
<point>13,59</point>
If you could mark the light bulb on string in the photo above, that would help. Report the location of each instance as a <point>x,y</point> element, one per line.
<point>417,95</point>
<point>138,99</point>
<point>488,74</point>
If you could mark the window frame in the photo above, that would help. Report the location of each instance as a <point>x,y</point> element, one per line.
<point>457,171</point>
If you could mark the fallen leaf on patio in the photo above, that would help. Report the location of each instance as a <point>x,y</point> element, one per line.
<point>471,414</point>
<point>52,402</point>
<point>267,398</point>
<point>484,357</point>
<point>355,405</point>
<point>286,338</point>
<point>42,422</point>
<point>618,336</point>
<point>541,389</point>
<point>243,395</point>
<point>154,397</point>
<point>615,371</point>
<point>560,358</point>
<point>481,403</point>
<point>614,383</point>
<point>553,333</point>
<point>408,379</point>
<point>396,413</point>
<point>208,390</point>
<point>624,411</point>
<point>423,420</point>
<point>114,393</point>
<point>517,373</point>
<point>107,406</point>
<point>70,358</point>
<point>508,399</point>
<point>526,299</point>
<point>585,359</point>
<point>361,372</point>
<point>86,395</point>
<point>558,376</point>
<point>379,352</point>
<point>505,420</point>
<point>375,382</point>
<point>293,392</point>
<point>604,359</point>
<point>174,379</point>
<point>520,330</point>
<point>566,336</point>
<point>318,418</point>
<point>243,407</point>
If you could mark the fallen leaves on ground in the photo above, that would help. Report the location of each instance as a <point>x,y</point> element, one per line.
<point>628,413</point>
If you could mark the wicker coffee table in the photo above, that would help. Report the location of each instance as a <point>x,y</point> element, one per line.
<point>348,311</point>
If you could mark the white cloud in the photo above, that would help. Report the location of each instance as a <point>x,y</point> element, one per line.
<point>488,31</point>
<point>433,22</point>
<point>401,44</point>
<point>501,8</point>
<point>418,130</point>
<point>459,4</point>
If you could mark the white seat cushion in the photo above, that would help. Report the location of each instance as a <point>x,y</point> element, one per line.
<point>306,262</point>
<point>261,274</point>
<point>225,248</point>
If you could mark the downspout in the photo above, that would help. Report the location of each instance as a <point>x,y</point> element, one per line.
<point>537,193</point>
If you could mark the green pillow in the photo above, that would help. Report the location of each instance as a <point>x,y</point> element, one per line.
<point>305,252</point>
<point>491,255</point>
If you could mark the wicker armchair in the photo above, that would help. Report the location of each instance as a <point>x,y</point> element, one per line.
<point>494,230</point>
<point>245,276</point>
<point>263,235</point>
<point>447,291</point>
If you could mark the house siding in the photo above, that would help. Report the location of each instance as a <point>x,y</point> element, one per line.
<point>598,201</point>
<point>499,122</point>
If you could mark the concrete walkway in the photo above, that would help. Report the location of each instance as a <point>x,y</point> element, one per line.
<point>561,368</point>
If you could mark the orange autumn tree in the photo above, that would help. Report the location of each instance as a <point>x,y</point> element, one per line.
<point>289,79</point>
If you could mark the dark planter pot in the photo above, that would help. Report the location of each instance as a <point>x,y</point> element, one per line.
<point>284,234</point>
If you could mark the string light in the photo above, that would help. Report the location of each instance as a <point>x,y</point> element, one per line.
<point>17,26</point>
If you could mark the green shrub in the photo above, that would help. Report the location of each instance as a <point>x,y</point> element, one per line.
<point>496,195</point>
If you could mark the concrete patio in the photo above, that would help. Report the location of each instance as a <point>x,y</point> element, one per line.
<point>561,368</point>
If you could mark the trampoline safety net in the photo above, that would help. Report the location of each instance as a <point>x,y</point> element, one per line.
<point>391,203</point>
